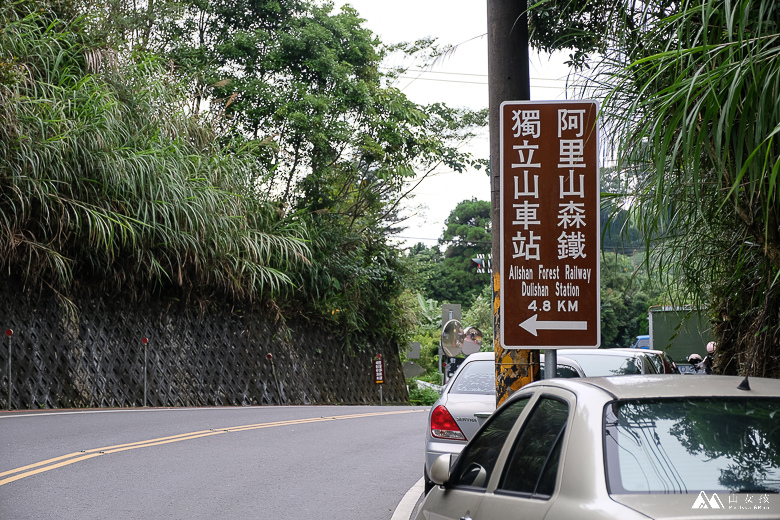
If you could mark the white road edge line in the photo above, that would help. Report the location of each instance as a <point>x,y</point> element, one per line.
<point>405,507</point>
<point>11,414</point>
<point>90,411</point>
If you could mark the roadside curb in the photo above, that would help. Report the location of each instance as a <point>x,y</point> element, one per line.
<point>405,508</point>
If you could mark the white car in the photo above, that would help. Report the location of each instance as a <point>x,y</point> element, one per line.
<point>623,448</point>
<point>596,362</point>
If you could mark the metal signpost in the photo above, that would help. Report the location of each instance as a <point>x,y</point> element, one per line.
<point>8,334</point>
<point>379,374</point>
<point>145,341</point>
<point>550,225</point>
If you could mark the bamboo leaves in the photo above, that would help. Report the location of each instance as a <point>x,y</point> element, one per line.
<point>106,176</point>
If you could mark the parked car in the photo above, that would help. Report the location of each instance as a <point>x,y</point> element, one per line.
<point>567,367</point>
<point>466,401</point>
<point>663,362</point>
<point>659,361</point>
<point>627,448</point>
<point>642,341</point>
<point>611,361</point>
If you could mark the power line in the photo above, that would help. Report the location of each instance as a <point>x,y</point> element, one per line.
<point>486,242</point>
<point>416,78</point>
<point>468,82</point>
<point>416,238</point>
<point>423,71</point>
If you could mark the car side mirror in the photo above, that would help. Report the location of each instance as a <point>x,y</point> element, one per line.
<point>440,471</point>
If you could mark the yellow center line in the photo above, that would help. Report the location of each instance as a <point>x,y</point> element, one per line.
<point>47,468</point>
<point>72,458</point>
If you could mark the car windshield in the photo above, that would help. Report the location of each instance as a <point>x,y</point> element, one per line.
<point>693,445</point>
<point>595,365</point>
<point>477,377</point>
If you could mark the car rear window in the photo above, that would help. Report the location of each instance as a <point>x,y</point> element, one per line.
<point>477,377</point>
<point>693,445</point>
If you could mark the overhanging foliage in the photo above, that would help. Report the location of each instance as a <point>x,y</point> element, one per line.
<point>690,96</point>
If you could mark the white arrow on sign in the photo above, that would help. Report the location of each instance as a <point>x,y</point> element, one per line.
<point>532,325</point>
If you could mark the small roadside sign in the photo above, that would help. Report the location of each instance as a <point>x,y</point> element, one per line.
<point>379,369</point>
<point>550,225</point>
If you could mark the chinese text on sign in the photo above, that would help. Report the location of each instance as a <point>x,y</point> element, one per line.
<point>549,225</point>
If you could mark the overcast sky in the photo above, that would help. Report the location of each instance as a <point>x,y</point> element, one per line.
<point>459,81</point>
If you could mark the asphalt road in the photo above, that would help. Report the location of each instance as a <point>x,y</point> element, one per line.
<point>334,462</point>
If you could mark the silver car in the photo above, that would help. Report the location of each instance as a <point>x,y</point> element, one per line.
<point>466,401</point>
<point>624,448</point>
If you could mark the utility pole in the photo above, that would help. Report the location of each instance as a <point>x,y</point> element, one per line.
<point>509,80</point>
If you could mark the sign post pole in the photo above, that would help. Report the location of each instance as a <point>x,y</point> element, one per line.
<point>145,341</point>
<point>379,375</point>
<point>8,334</point>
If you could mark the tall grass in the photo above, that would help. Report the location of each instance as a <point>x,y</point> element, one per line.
<point>105,176</point>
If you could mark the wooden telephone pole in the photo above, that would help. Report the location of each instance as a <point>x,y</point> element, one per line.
<point>509,80</point>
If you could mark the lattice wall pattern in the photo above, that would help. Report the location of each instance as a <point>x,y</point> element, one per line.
<point>216,358</point>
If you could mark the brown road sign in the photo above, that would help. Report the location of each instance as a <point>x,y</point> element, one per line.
<point>550,225</point>
<point>379,369</point>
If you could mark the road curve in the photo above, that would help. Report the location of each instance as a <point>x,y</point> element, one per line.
<point>250,462</point>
